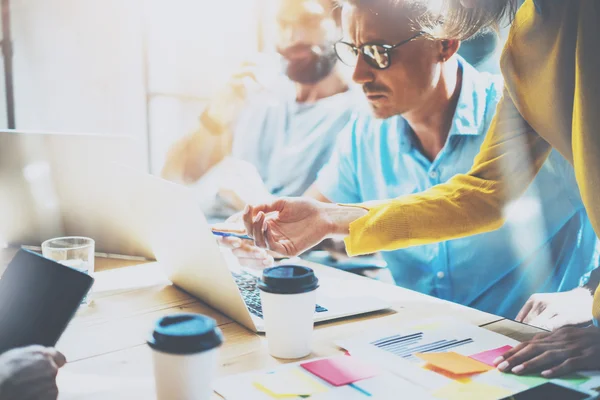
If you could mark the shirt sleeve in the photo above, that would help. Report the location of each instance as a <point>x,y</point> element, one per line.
<point>468,204</point>
<point>337,180</point>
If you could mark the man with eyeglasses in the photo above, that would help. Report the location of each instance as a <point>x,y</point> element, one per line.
<point>430,113</point>
<point>282,116</point>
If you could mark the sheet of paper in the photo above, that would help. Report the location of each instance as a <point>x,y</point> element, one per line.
<point>289,383</point>
<point>342,370</point>
<point>471,391</point>
<point>488,357</point>
<point>454,363</point>
<point>390,348</point>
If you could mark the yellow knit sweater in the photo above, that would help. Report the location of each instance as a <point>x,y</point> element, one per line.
<point>551,65</point>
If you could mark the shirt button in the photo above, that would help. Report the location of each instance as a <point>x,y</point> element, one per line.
<point>433,174</point>
<point>441,275</point>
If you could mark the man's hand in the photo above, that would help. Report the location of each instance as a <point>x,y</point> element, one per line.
<point>555,354</point>
<point>551,311</point>
<point>29,373</point>
<point>245,251</point>
<point>289,226</point>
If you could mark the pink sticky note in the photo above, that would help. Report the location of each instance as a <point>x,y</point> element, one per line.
<point>340,371</point>
<point>488,357</point>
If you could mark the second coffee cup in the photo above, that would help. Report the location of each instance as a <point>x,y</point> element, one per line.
<point>185,352</point>
<point>288,296</point>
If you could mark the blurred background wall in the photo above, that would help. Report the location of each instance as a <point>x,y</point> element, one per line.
<point>144,68</point>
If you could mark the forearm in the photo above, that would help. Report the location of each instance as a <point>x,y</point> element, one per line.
<point>193,156</point>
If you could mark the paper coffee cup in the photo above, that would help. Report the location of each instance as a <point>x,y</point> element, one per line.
<point>288,296</point>
<point>185,354</point>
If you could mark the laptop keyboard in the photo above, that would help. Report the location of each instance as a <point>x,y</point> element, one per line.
<point>251,294</point>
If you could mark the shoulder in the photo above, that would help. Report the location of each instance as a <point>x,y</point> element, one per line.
<point>488,88</point>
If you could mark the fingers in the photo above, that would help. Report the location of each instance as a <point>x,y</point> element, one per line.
<point>544,320</point>
<point>253,257</point>
<point>58,358</point>
<point>230,242</point>
<point>250,212</point>
<point>247,253</point>
<point>505,362</point>
<point>255,263</point>
<point>500,360</point>
<point>254,220</point>
<point>547,359</point>
<point>525,353</point>
<point>235,219</point>
<point>248,220</point>
<point>566,367</point>
<point>524,310</point>
<point>274,245</point>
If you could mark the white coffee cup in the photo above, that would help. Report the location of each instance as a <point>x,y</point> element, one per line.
<point>288,296</point>
<point>185,354</point>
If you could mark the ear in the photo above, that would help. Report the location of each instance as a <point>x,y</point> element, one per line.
<point>447,48</point>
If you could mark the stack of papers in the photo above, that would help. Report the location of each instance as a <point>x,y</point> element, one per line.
<point>444,359</point>
<point>452,360</point>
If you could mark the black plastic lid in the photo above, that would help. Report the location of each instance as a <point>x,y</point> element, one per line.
<point>185,334</point>
<point>288,279</point>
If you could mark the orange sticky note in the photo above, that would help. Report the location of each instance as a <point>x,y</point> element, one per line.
<point>454,363</point>
<point>449,375</point>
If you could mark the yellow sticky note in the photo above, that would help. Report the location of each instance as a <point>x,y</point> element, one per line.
<point>471,391</point>
<point>454,363</point>
<point>288,383</point>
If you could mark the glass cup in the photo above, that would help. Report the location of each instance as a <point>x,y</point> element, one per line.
<point>75,252</point>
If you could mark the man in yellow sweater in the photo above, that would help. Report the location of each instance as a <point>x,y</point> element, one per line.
<point>551,100</point>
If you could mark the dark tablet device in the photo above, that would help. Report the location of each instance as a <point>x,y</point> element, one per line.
<point>38,298</point>
<point>553,390</point>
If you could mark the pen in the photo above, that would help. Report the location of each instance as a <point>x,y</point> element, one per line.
<point>231,234</point>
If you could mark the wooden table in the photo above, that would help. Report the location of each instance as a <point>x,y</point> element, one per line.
<point>105,342</point>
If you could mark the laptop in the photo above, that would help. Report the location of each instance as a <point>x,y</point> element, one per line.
<point>54,184</point>
<point>181,239</point>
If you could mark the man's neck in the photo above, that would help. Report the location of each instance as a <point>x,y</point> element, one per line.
<point>432,121</point>
<point>332,84</point>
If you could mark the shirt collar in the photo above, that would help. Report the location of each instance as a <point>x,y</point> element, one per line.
<point>470,115</point>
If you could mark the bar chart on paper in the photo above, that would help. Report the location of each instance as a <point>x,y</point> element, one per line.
<point>406,346</point>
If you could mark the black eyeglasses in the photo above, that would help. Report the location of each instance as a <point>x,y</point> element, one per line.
<point>376,55</point>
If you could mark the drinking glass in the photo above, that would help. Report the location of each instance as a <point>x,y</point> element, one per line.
<point>76,252</point>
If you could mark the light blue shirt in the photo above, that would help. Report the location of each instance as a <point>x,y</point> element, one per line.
<point>289,142</point>
<point>494,272</point>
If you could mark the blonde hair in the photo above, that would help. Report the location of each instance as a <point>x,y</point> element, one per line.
<point>448,19</point>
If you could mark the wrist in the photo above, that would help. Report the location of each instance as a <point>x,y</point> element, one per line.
<point>590,281</point>
<point>340,217</point>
